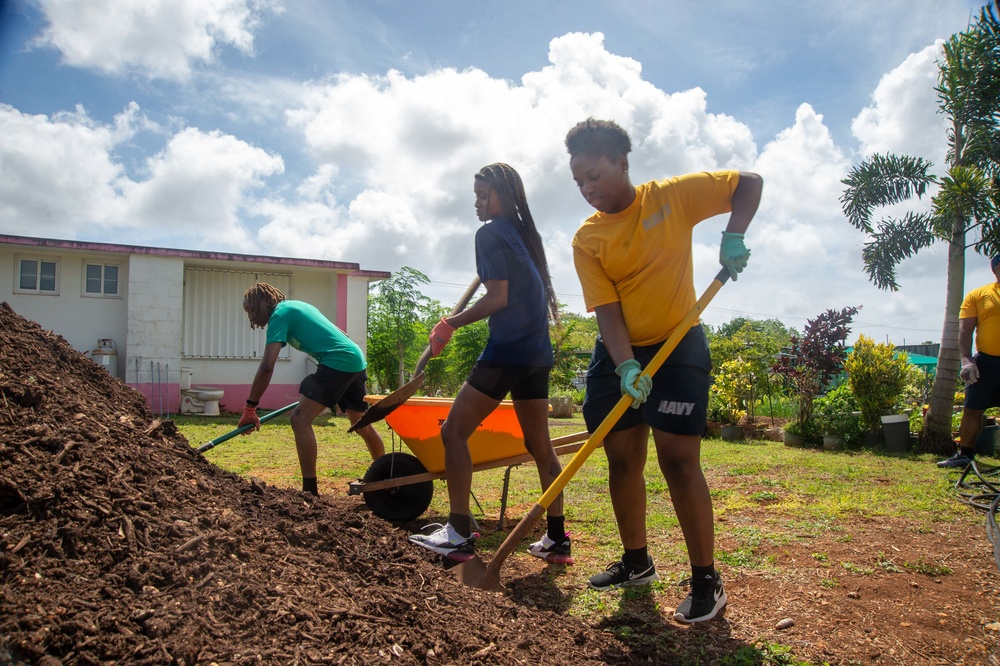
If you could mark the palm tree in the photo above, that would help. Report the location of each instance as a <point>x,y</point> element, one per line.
<point>966,203</point>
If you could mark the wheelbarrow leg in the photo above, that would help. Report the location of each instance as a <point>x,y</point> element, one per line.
<point>503,498</point>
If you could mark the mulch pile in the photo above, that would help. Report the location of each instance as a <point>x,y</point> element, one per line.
<point>119,542</point>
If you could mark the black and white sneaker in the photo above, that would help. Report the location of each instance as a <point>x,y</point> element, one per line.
<point>556,552</point>
<point>706,600</point>
<point>622,574</point>
<point>443,539</point>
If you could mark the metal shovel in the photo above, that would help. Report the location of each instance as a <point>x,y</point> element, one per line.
<point>474,572</point>
<point>388,404</point>
<point>211,444</point>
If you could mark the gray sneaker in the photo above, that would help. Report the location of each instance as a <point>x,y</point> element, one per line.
<point>958,460</point>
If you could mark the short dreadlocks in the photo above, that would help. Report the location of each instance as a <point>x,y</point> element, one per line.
<point>259,301</point>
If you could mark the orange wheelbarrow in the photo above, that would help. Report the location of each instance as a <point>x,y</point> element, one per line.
<point>399,486</point>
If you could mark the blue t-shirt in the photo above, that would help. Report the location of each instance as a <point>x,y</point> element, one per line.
<point>304,327</point>
<point>519,334</point>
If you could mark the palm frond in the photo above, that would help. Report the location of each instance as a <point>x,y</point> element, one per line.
<point>882,180</point>
<point>895,241</point>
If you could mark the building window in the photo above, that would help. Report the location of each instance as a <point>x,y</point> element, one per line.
<point>101,280</point>
<point>214,324</point>
<point>37,276</point>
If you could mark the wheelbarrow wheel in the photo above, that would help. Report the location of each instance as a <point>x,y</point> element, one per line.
<point>402,503</point>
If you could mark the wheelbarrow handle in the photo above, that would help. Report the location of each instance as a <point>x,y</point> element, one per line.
<point>239,431</point>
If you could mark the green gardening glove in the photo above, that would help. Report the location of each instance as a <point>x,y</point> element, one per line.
<point>733,254</point>
<point>634,384</point>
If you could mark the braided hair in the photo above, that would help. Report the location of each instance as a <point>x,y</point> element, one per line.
<point>507,183</point>
<point>259,301</point>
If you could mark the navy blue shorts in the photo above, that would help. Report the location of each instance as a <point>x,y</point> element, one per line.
<point>985,393</point>
<point>333,388</point>
<point>678,401</point>
<point>523,382</point>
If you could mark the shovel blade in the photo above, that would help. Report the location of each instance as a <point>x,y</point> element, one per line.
<point>473,572</point>
<point>388,404</point>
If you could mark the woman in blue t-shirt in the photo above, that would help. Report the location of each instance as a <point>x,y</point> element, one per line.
<point>517,360</point>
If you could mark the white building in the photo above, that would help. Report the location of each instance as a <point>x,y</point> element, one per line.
<point>145,313</point>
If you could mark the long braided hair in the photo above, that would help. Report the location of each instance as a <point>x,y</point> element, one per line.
<point>259,301</point>
<point>507,183</point>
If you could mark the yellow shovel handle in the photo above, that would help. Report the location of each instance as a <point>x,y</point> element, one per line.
<point>616,413</point>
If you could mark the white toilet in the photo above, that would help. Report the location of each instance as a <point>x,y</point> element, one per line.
<point>202,400</point>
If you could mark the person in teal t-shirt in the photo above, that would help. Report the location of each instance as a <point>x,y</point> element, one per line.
<point>339,379</point>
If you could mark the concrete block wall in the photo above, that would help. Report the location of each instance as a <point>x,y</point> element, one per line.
<point>152,355</point>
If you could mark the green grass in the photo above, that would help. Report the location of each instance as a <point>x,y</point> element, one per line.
<point>764,494</point>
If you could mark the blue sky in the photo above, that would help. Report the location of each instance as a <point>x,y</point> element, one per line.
<point>350,130</point>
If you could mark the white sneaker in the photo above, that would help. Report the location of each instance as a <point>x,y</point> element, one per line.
<point>444,540</point>
<point>557,552</point>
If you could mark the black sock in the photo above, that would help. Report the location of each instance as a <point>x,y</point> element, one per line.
<point>461,524</point>
<point>556,527</point>
<point>637,557</point>
<point>703,573</point>
<point>309,486</point>
<point>969,453</point>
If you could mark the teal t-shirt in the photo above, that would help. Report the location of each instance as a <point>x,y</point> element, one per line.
<point>305,328</point>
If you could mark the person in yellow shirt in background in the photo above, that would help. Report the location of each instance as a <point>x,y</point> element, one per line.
<point>633,257</point>
<point>980,314</point>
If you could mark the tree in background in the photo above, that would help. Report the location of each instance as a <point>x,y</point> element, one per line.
<point>576,335</point>
<point>400,318</point>
<point>396,313</point>
<point>748,348</point>
<point>815,358</point>
<point>967,201</point>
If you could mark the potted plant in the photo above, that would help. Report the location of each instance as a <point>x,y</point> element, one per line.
<point>812,361</point>
<point>877,377</point>
<point>839,418</point>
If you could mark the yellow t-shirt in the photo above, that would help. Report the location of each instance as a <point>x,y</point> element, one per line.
<point>641,256</point>
<point>983,303</point>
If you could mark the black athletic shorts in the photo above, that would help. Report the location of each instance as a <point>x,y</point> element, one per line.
<point>985,393</point>
<point>678,401</point>
<point>523,382</point>
<point>334,388</point>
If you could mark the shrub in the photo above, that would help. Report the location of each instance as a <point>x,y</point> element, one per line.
<point>734,387</point>
<point>838,413</point>
<point>876,376</point>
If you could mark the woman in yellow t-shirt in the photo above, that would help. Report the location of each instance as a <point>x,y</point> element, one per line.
<point>633,257</point>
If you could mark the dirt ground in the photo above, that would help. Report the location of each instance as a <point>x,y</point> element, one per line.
<point>120,543</point>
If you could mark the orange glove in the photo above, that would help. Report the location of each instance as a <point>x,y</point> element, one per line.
<point>249,416</point>
<point>439,337</point>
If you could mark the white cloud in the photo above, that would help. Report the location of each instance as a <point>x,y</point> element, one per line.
<point>57,171</point>
<point>903,117</point>
<point>60,175</point>
<point>399,155</point>
<point>199,185</point>
<point>158,38</point>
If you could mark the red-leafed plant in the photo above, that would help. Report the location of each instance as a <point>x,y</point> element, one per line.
<point>814,359</point>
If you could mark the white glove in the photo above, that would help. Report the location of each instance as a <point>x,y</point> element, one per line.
<point>969,373</point>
